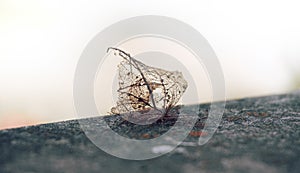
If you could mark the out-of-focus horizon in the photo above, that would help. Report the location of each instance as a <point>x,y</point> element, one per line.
<point>257,43</point>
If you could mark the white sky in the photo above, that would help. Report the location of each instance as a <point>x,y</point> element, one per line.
<point>257,43</point>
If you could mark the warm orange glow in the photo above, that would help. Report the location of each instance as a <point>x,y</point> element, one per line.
<point>16,120</point>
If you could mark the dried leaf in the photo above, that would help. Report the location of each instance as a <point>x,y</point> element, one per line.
<point>143,88</point>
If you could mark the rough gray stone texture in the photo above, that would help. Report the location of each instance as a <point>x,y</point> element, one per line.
<point>255,135</point>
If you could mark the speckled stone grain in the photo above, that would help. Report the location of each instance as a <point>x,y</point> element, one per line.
<point>256,135</point>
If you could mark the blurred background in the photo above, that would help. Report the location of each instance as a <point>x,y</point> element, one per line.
<point>257,43</point>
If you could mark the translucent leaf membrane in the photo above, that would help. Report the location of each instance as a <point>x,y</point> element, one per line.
<point>146,89</point>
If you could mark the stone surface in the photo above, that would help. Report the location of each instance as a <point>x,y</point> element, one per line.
<point>255,135</point>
